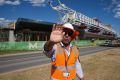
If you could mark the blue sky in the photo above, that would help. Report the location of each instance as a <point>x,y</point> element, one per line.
<point>107,11</point>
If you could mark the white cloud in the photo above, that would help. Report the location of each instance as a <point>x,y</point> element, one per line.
<point>118,5</point>
<point>117,11</point>
<point>117,14</point>
<point>4,22</point>
<point>15,2</point>
<point>114,7</point>
<point>37,3</point>
<point>115,1</point>
<point>2,2</point>
<point>1,19</point>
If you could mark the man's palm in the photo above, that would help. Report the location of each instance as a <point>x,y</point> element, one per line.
<point>56,36</point>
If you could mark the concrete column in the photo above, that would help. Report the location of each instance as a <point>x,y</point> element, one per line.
<point>11,36</point>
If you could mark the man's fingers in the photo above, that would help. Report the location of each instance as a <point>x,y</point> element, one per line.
<point>63,33</point>
<point>57,27</point>
<point>54,27</point>
<point>60,27</point>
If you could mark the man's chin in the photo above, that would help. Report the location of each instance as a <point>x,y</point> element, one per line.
<point>66,43</point>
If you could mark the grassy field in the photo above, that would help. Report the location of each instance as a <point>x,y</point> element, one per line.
<point>103,65</point>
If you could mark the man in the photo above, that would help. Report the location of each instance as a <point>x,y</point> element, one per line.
<point>64,56</point>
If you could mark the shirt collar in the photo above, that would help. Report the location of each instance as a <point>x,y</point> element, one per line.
<point>63,44</point>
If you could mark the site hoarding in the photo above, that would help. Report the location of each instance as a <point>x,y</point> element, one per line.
<point>38,45</point>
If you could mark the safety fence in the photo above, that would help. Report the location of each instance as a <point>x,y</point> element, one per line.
<point>85,43</point>
<point>32,45</point>
<point>38,45</point>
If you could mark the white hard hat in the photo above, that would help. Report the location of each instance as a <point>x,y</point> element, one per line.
<point>68,25</point>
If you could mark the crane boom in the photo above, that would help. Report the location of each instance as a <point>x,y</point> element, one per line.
<point>77,18</point>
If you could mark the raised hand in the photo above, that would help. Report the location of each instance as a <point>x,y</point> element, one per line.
<point>57,34</point>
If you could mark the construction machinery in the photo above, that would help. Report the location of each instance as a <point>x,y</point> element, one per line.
<point>82,21</point>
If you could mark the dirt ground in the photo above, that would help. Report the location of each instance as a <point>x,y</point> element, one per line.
<point>103,65</point>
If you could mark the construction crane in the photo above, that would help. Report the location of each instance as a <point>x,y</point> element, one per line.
<point>79,19</point>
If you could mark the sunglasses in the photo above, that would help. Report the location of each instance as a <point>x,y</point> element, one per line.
<point>68,31</point>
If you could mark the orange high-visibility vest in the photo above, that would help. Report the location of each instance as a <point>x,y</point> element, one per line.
<point>63,64</point>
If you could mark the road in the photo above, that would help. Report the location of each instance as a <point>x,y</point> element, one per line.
<point>18,62</point>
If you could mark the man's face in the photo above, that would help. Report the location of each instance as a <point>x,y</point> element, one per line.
<point>67,37</point>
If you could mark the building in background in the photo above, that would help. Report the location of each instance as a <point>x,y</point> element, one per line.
<point>32,30</point>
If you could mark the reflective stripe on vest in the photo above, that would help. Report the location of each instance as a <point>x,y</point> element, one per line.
<point>75,51</point>
<point>56,79</point>
<point>60,68</point>
<point>53,78</point>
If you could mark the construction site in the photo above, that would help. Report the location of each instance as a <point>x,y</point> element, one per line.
<point>22,42</point>
<point>91,29</point>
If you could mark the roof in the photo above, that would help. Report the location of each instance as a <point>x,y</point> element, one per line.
<point>34,25</point>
